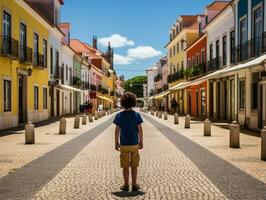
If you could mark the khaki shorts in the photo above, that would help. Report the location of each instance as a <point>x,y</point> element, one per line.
<point>129,156</point>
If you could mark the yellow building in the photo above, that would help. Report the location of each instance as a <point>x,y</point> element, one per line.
<point>23,64</point>
<point>183,33</point>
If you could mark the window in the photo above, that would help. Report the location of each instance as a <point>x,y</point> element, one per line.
<point>217,49</point>
<point>182,45</point>
<point>66,72</point>
<point>174,49</point>
<point>232,44</point>
<point>203,56</point>
<point>243,31</point>
<point>193,61</point>
<point>189,62</point>
<point>51,60</point>
<point>241,94</point>
<point>36,98</point>
<point>170,52</point>
<point>224,50</point>
<point>211,52</point>
<point>7,95</point>
<point>177,47</point>
<point>254,90</point>
<point>23,42</point>
<point>206,19</point>
<point>198,59</point>
<point>35,47</point>
<point>44,98</point>
<point>257,22</point>
<point>6,24</point>
<point>203,104</point>
<point>45,53</point>
<point>200,28</point>
<point>6,32</point>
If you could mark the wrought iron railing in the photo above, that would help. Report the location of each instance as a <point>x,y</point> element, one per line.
<point>25,54</point>
<point>250,49</point>
<point>9,47</point>
<point>38,60</point>
<point>214,64</point>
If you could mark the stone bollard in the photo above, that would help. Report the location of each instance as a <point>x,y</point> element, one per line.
<point>234,135</point>
<point>90,118</point>
<point>76,122</point>
<point>263,144</point>
<point>165,116</point>
<point>62,126</point>
<point>96,115</point>
<point>176,119</point>
<point>157,113</point>
<point>160,114</point>
<point>29,133</point>
<point>152,112</point>
<point>207,127</point>
<point>84,119</point>
<point>187,121</point>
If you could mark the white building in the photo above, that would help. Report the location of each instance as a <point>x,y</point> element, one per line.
<point>151,73</point>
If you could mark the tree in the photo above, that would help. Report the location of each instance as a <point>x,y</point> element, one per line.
<point>135,85</point>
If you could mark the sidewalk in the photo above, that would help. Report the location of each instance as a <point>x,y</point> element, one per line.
<point>247,158</point>
<point>14,153</point>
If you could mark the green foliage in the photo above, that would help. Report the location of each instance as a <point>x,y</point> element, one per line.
<point>135,85</point>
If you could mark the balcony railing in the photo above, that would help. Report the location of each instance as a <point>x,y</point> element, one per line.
<point>214,64</point>
<point>57,73</point>
<point>85,85</point>
<point>250,49</point>
<point>38,60</point>
<point>25,54</point>
<point>158,77</point>
<point>93,87</point>
<point>76,81</point>
<point>195,71</point>
<point>175,76</point>
<point>9,47</point>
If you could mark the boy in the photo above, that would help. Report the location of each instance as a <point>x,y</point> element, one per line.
<point>129,139</point>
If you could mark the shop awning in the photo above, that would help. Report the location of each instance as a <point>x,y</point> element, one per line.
<point>179,86</point>
<point>105,98</point>
<point>162,94</point>
<point>67,87</point>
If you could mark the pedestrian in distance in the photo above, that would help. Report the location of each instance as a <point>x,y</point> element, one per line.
<point>129,139</point>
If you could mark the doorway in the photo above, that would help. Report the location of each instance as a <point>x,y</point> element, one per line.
<point>57,103</point>
<point>71,112</point>
<point>211,100</point>
<point>22,99</point>
<point>197,104</point>
<point>232,100</point>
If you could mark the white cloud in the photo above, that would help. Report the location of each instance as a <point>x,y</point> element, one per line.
<point>116,41</point>
<point>122,60</point>
<point>143,52</point>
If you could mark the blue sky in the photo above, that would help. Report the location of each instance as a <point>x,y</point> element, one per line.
<point>138,28</point>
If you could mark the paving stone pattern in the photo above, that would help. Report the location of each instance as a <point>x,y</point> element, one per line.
<point>233,182</point>
<point>26,181</point>
<point>164,173</point>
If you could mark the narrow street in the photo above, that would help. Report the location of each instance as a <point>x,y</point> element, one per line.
<point>172,167</point>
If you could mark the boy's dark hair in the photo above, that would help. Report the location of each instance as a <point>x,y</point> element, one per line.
<point>128,100</point>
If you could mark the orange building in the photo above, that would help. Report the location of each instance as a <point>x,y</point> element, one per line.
<point>196,66</point>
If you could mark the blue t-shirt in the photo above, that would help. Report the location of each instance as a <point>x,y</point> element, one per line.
<point>128,122</point>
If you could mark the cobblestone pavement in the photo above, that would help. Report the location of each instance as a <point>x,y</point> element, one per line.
<point>15,154</point>
<point>165,173</point>
<point>176,163</point>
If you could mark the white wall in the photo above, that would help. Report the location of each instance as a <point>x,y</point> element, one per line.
<point>221,26</point>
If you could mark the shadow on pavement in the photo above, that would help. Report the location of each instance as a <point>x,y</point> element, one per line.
<point>128,194</point>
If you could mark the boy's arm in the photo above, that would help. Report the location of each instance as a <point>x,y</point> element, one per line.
<point>117,132</point>
<point>140,130</point>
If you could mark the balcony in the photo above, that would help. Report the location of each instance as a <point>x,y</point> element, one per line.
<point>57,73</point>
<point>158,77</point>
<point>250,49</point>
<point>93,87</point>
<point>175,76</point>
<point>85,85</point>
<point>25,54</point>
<point>38,60</point>
<point>195,71</point>
<point>214,64</point>
<point>9,47</point>
<point>76,81</point>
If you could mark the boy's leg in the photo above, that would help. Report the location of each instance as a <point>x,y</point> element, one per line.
<point>134,174</point>
<point>126,175</point>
